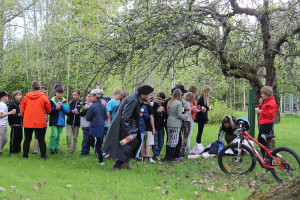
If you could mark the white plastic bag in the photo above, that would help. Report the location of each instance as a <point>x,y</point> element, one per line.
<point>197,149</point>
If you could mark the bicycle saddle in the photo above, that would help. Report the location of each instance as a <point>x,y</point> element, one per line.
<point>268,137</point>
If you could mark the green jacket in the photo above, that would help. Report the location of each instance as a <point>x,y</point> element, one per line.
<point>175,115</point>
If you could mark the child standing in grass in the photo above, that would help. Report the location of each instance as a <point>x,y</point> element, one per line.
<point>73,121</point>
<point>148,140</point>
<point>85,125</point>
<point>59,109</point>
<point>3,119</point>
<point>111,106</point>
<point>189,97</point>
<point>267,109</point>
<point>97,115</point>
<point>16,123</point>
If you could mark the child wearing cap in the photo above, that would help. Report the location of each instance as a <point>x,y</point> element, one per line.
<point>3,119</point>
<point>97,115</point>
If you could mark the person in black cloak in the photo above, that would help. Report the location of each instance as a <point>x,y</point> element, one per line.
<point>124,124</point>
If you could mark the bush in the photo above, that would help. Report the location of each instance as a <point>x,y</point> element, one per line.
<point>220,109</point>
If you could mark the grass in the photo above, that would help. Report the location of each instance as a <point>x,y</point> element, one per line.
<point>74,177</point>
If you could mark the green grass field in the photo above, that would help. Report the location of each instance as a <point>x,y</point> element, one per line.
<point>74,177</point>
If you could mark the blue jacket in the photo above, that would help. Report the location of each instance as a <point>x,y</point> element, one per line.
<point>97,115</point>
<point>57,117</point>
<point>144,116</point>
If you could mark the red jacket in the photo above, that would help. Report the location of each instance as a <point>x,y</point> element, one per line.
<point>34,107</point>
<point>268,111</point>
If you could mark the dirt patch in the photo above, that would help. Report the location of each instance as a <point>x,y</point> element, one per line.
<point>289,189</point>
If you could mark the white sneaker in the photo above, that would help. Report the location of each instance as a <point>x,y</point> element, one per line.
<point>150,160</point>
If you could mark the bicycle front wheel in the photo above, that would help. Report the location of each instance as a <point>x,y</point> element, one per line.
<point>231,163</point>
<point>290,161</point>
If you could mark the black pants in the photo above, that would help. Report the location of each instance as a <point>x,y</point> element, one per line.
<point>96,143</point>
<point>200,131</point>
<point>16,136</point>
<point>40,132</point>
<point>264,129</point>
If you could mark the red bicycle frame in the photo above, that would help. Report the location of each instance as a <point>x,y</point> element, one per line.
<point>268,152</point>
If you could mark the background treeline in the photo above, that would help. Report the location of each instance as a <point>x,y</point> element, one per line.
<point>105,43</point>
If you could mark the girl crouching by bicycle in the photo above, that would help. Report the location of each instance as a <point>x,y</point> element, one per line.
<point>228,127</point>
<point>267,109</point>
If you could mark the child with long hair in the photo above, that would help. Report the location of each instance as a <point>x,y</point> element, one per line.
<point>174,122</point>
<point>201,117</point>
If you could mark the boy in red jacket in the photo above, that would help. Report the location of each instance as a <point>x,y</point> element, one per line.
<point>267,109</point>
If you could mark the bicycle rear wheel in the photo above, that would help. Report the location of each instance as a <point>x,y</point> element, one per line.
<point>289,159</point>
<point>233,164</point>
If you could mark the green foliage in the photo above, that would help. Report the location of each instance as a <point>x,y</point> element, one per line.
<point>220,109</point>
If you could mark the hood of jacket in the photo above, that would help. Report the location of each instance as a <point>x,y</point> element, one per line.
<point>34,94</point>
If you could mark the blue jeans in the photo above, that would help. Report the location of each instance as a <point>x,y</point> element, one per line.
<point>139,151</point>
<point>85,142</point>
<point>158,142</point>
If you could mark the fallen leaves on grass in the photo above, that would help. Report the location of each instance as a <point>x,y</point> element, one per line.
<point>224,188</point>
<point>36,188</point>
<point>158,188</point>
<point>197,195</point>
<point>69,186</point>
<point>2,189</point>
<point>199,181</point>
<point>166,192</point>
<point>211,188</point>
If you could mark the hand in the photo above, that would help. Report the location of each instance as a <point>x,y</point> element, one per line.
<point>58,107</point>
<point>13,111</point>
<point>129,137</point>
<point>203,109</point>
<point>186,117</point>
<point>59,103</point>
<point>75,111</point>
<point>260,101</point>
<point>193,108</point>
<point>257,110</point>
<point>210,107</point>
<point>186,107</point>
<point>153,132</point>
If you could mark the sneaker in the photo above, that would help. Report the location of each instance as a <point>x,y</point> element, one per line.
<point>100,163</point>
<point>108,157</point>
<point>52,151</point>
<point>179,158</point>
<point>35,152</point>
<point>150,160</point>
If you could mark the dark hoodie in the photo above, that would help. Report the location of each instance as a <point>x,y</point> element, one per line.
<point>34,107</point>
<point>15,119</point>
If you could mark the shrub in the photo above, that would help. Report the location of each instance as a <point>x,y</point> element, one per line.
<point>220,109</point>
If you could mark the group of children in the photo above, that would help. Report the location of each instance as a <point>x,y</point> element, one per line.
<point>94,116</point>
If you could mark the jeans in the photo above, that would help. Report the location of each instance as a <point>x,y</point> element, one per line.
<point>16,136</point>
<point>158,142</point>
<point>40,132</point>
<point>85,150</point>
<point>139,151</point>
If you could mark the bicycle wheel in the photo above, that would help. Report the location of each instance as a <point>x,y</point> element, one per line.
<point>289,159</point>
<point>230,163</point>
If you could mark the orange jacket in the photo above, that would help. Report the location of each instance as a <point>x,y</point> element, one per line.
<point>34,107</point>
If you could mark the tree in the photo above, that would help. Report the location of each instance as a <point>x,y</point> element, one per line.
<point>245,38</point>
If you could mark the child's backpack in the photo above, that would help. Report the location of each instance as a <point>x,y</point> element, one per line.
<point>216,147</point>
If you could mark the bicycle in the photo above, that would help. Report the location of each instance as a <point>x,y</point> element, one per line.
<point>283,162</point>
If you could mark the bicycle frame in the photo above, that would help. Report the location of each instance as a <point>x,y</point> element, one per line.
<point>268,152</point>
